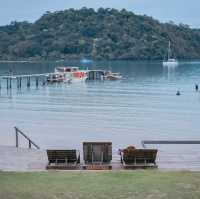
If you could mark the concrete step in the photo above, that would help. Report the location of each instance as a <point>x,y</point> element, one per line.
<point>21,159</point>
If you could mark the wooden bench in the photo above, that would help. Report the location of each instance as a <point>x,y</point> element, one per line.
<point>63,159</point>
<point>139,158</point>
<point>97,155</point>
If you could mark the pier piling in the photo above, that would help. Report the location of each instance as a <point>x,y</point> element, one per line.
<point>37,82</point>
<point>37,79</point>
<point>28,82</point>
<point>10,82</point>
<point>44,82</point>
<point>17,83</point>
<point>7,83</point>
<point>20,82</point>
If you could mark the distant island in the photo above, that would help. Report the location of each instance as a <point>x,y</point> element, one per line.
<point>105,34</point>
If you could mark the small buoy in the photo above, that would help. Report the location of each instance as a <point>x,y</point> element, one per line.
<point>178,93</point>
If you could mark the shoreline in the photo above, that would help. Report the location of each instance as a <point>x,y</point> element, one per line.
<point>89,63</point>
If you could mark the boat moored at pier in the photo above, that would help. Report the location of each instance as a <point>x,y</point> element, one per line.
<point>112,76</point>
<point>71,73</point>
<point>103,75</point>
<point>53,78</point>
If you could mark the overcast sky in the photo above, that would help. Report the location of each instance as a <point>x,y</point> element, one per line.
<point>179,11</point>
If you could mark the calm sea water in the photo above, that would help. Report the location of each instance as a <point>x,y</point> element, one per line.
<point>143,105</point>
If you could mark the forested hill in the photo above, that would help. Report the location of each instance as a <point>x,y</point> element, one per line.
<point>101,34</point>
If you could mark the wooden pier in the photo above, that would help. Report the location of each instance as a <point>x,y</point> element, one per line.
<point>27,80</point>
<point>18,81</point>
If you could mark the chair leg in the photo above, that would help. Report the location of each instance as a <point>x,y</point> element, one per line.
<point>101,157</point>
<point>66,161</point>
<point>145,162</point>
<point>92,157</point>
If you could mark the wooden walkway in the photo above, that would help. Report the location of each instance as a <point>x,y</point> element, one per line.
<point>20,159</point>
<point>18,80</point>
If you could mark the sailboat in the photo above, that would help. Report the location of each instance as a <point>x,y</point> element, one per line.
<point>170,62</point>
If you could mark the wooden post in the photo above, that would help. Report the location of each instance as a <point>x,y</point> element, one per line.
<point>7,83</point>
<point>95,76</point>
<point>17,83</point>
<point>44,82</point>
<point>37,82</point>
<point>92,153</point>
<point>10,83</point>
<point>20,82</point>
<point>28,82</point>
<point>17,139</point>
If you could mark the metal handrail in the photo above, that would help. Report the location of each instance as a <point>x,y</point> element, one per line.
<point>17,132</point>
<point>144,142</point>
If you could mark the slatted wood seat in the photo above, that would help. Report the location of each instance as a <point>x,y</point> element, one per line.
<point>97,155</point>
<point>63,159</point>
<point>139,158</point>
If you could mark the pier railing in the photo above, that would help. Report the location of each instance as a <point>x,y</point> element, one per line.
<point>144,142</point>
<point>30,142</point>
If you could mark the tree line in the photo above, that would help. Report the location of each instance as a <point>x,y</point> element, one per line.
<point>107,34</point>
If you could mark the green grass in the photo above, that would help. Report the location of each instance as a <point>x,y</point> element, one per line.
<point>102,185</point>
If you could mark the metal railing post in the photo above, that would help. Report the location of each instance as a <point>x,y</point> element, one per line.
<point>16,137</point>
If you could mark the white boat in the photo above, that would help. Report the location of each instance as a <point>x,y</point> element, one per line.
<point>55,77</point>
<point>112,76</point>
<point>72,74</point>
<point>170,62</point>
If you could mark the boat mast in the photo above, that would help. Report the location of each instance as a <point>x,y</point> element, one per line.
<point>169,50</point>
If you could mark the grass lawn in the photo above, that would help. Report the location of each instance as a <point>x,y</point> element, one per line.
<point>91,185</point>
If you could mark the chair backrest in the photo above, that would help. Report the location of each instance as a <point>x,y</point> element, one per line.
<point>94,152</point>
<point>141,155</point>
<point>56,155</point>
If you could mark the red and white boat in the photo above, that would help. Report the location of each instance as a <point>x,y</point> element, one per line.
<point>71,74</point>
